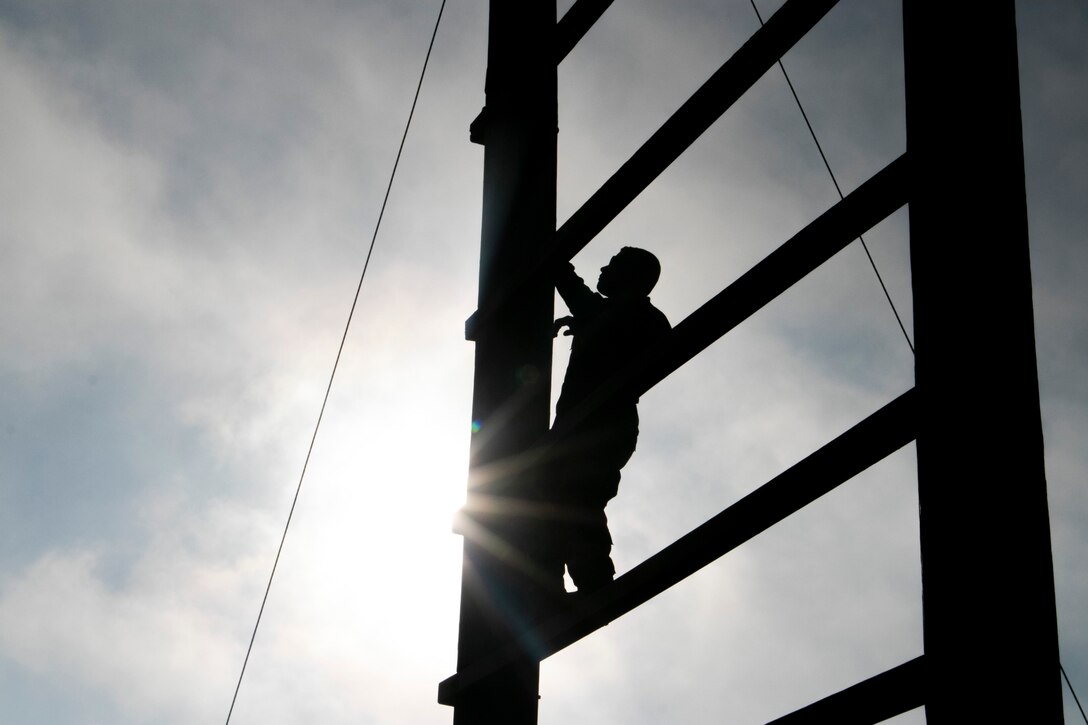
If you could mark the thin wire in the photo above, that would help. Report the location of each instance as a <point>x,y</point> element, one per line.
<point>839,190</point>
<point>1074,692</point>
<point>336,363</point>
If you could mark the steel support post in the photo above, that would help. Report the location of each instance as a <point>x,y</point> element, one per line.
<point>990,629</point>
<point>511,400</point>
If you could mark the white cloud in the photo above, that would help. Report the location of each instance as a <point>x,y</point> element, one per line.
<point>153,647</point>
<point>191,190</point>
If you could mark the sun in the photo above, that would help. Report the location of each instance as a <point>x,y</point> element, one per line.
<point>374,522</point>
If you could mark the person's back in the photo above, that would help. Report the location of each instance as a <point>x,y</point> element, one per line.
<point>611,328</point>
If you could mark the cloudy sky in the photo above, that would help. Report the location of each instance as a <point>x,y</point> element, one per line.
<point>188,192</point>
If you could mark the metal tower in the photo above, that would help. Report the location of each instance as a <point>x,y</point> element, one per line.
<point>990,631</point>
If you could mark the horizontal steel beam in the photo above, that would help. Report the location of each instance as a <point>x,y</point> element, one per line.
<point>706,105</point>
<point>884,696</point>
<point>824,237</point>
<point>698,113</point>
<point>868,442</point>
<point>575,23</point>
<point>803,253</point>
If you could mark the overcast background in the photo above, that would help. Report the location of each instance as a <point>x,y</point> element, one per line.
<point>188,189</point>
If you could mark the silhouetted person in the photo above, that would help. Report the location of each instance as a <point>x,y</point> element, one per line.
<point>611,328</point>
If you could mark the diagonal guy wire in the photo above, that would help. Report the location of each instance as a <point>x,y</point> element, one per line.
<point>336,363</point>
<point>838,189</point>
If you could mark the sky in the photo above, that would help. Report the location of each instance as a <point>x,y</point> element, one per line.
<point>189,190</point>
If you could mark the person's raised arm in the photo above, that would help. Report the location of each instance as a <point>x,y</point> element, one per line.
<point>580,299</point>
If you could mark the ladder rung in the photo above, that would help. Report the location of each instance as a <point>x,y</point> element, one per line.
<point>874,700</point>
<point>867,443</point>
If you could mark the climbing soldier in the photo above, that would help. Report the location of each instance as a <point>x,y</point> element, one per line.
<point>591,440</point>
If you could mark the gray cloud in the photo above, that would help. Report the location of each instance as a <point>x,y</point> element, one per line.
<point>190,191</point>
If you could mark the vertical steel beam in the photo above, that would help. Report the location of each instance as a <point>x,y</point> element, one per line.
<point>990,629</point>
<point>511,401</point>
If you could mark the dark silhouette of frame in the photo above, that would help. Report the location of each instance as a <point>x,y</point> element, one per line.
<point>990,632</point>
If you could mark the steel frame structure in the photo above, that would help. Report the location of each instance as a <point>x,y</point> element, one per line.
<point>990,632</point>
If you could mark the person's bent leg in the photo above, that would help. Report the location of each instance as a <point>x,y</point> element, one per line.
<point>589,559</point>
